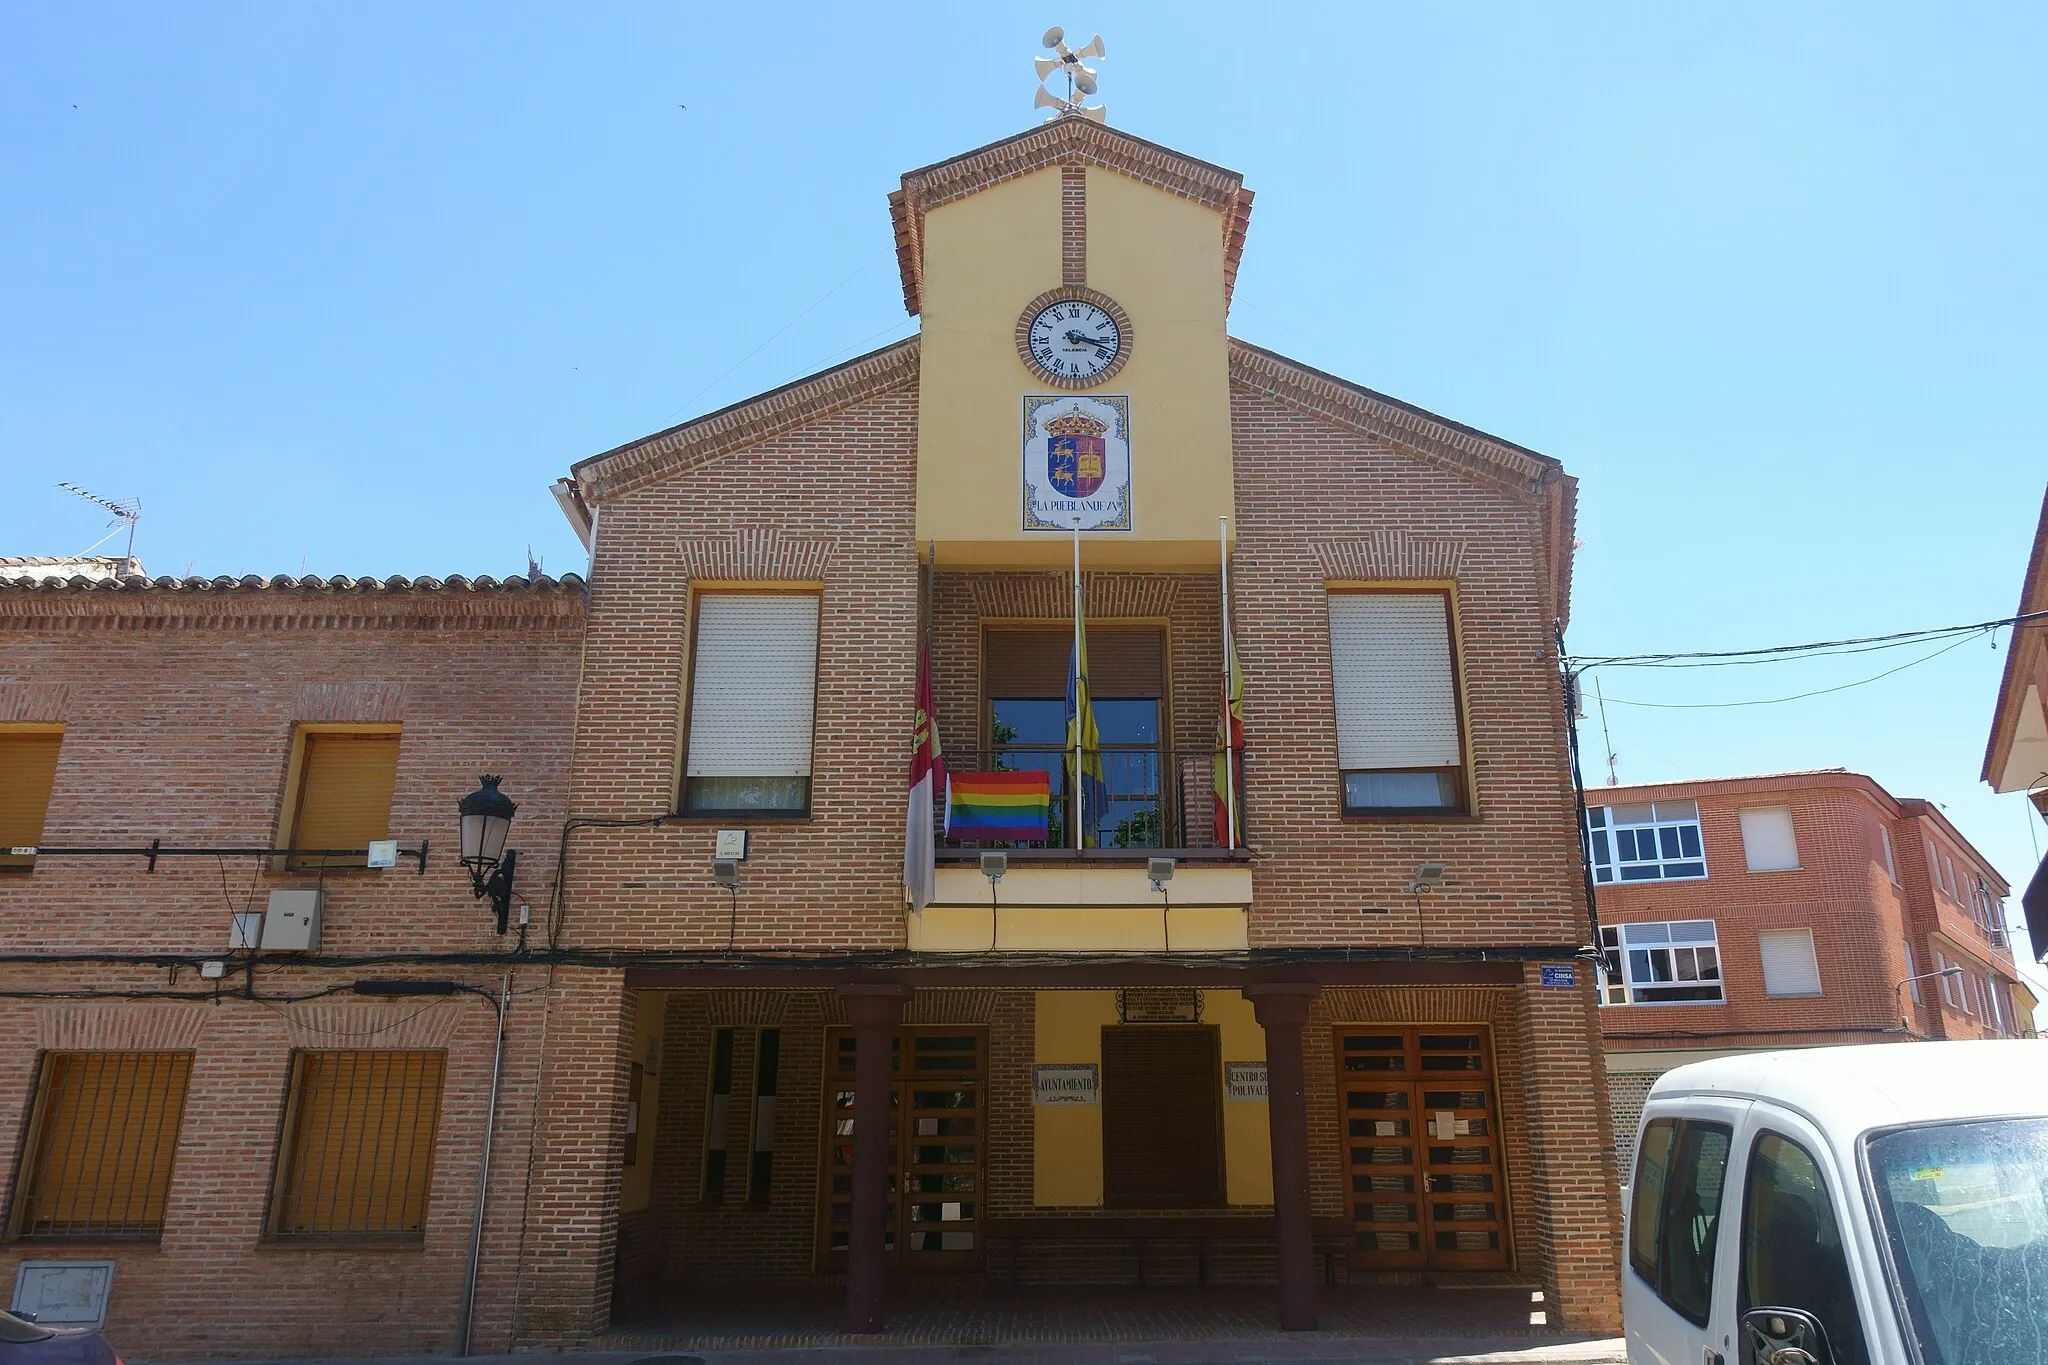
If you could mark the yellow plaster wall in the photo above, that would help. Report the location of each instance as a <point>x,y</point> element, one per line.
<point>636,1182</point>
<point>1066,1140</point>
<point>985,258</point>
<point>1247,1136</point>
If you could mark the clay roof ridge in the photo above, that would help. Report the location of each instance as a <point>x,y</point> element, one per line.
<point>337,583</point>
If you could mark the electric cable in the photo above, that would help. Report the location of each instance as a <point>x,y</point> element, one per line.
<point>1797,696</point>
<point>1776,653</point>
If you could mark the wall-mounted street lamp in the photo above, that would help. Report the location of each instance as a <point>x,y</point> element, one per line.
<point>486,820</point>
<point>1899,988</point>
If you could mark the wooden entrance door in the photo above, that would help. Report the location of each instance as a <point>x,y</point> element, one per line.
<point>940,1117</point>
<point>1422,1154</point>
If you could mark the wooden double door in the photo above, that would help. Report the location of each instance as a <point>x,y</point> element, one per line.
<point>1422,1147</point>
<point>939,1134</point>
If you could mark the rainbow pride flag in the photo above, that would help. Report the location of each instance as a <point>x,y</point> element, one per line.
<point>999,807</point>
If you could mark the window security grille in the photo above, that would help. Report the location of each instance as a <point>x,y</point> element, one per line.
<point>1660,964</point>
<point>359,1149</point>
<point>767,1063</point>
<point>101,1141</point>
<point>1646,842</point>
<point>718,1116</point>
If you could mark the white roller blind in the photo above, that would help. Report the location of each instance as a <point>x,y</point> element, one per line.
<point>1767,841</point>
<point>752,685</point>
<point>1789,966</point>
<point>1390,658</point>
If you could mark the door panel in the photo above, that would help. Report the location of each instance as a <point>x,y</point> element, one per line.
<point>935,1153</point>
<point>1422,1155</point>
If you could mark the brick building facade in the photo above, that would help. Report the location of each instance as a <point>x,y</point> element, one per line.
<point>1788,910</point>
<point>1343,1028</point>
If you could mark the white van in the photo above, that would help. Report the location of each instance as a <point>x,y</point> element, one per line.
<point>1882,1205</point>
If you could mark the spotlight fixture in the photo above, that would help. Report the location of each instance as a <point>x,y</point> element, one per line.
<point>726,872</point>
<point>994,865</point>
<point>1427,875</point>
<point>1159,871</point>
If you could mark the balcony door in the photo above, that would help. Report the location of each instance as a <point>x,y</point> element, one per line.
<point>1024,686</point>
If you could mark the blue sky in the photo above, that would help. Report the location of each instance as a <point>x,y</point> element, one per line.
<point>345,288</point>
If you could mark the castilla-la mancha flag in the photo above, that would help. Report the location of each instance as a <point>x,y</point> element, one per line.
<point>927,776</point>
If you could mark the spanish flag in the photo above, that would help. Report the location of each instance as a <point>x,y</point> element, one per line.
<point>999,807</point>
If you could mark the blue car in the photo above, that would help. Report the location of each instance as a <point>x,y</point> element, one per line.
<point>26,1343</point>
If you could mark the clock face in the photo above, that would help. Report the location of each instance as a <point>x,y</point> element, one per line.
<point>1073,340</point>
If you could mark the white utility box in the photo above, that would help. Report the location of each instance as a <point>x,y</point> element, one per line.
<point>292,924</point>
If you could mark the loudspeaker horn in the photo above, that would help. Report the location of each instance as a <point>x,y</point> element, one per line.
<point>1046,65</point>
<point>1094,48</point>
<point>1044,100</point>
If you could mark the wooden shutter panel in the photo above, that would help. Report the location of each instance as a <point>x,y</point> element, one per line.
<point>345,789</point>
<point>28,770</point>
<point>753,685</point>
<point>1789,966</point>
<point>1031,662</point>
<point>1161,1117</point>
<point>105,1137</point>
<point>362,1143</point>
<point>1390,663</point>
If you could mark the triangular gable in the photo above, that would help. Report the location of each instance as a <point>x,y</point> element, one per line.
<point>1066,141</point>
<point>1403,426</point>
<point>747,422</point>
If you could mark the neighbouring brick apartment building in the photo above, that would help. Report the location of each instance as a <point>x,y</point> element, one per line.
<point>2016,759</point>
<point>1787,910</point>
<point>1307,1005</point>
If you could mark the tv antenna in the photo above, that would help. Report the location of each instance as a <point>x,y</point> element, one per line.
<point>128,512</point>
<point>1081,81</point>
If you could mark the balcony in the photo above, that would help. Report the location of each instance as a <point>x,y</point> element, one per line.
<point>1098,898</point>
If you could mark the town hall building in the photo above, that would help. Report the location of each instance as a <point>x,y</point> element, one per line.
<point>1245,936</point>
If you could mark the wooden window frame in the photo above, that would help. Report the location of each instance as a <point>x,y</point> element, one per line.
<point>288,1150</point>
<point>291,808</point>
<point>36,1138</point>
<point>11,865</point>
<point>679,799</point>
<point>1464,805</point>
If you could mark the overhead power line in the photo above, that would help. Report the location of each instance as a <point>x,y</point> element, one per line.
<point>1710,658</point>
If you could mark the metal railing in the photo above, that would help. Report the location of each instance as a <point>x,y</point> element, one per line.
<point>1150,797</point>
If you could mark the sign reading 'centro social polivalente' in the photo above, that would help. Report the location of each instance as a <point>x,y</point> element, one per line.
<point>1077,462</point>
<point>1064,1083</point>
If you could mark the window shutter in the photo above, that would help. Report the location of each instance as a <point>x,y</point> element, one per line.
<point>28,770</point>
<point>1030,662</point>
<point>1789,965</point>
<point>753,685</point>
<point>1767,840</point>
<point>107,1131</point>
<point>1390,663</point>
<point>345,789</point>
<point>362,1143</point>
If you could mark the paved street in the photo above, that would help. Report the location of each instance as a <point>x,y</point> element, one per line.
<point>1328,1350</point>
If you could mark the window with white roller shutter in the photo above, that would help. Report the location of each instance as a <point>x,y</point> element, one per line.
<point>1767,842</point>
<point>1789,964</point>
<point>1396,697</point>
<point>753,686</point>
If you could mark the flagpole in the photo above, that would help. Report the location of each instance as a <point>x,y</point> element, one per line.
<point>1075,833</point>
<point>1229,646</point>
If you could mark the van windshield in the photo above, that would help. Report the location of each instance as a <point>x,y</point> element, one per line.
<point>1966,1211</point>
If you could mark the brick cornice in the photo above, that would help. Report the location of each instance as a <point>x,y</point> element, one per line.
<point>749,422</point>
<point>1063,142</point>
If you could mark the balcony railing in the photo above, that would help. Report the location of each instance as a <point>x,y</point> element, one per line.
<point>1151,797</point>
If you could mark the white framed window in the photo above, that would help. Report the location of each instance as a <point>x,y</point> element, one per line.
<point>753,690</point>
<point>1891,864</point>
<point>1948,982</point>
<point>1767,841</point>
<point>1789,964</point>
<point>1912,970</point>
<point>1948,872</point>
<point>1996,1007</point>
<point>1646,842</point>
<point>1675,962</point>
<point>1393,672</point>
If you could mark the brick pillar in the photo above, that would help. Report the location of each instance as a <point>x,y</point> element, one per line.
<point>875,1012</point>
<point>1571,1152</point>
<point>1282,1011</point>
<point>572,1225</point>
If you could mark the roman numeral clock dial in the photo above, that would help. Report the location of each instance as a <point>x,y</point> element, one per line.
<point>1073,338</point>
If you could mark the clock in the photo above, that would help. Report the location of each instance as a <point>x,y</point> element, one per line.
<point>1074,338</point>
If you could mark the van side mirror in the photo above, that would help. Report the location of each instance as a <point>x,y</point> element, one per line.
<point>1784,1336</point>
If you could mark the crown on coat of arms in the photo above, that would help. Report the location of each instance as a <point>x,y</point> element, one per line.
<point>1076,424</point>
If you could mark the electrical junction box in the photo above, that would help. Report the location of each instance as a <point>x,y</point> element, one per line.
<point>292,923</point>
